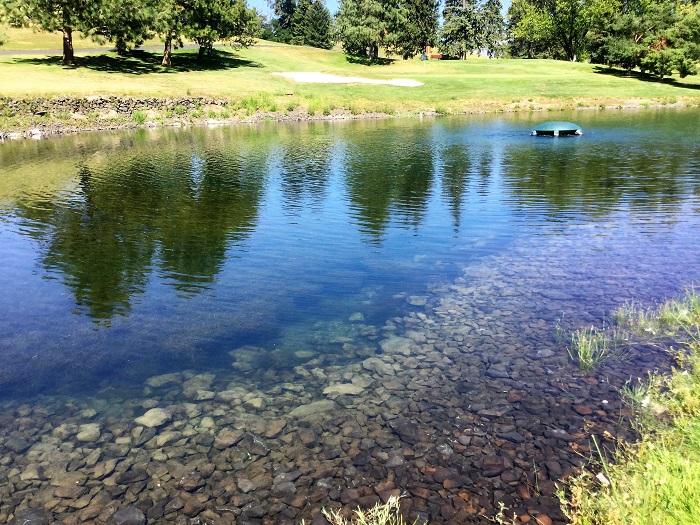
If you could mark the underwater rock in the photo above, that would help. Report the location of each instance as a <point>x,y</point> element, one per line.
<point>155,417</point>
<point>31,516</point>
<point>164,380</point>
<point>406,429</point>
<point>343,389</point>
<point>130,515</point>
<point>89,432</point>
<point>316,407</point>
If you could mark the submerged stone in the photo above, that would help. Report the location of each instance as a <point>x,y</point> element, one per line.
<point>32,517</point>
<point>344,389</point>
<point>155,417</point>
<point>317,407</point>
<point>128,516</point>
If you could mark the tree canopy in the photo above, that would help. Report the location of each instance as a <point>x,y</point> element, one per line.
<point>130,22</point>
<point>301,22</point>
<point>658,36</point>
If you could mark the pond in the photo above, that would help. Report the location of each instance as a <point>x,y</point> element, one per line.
<point>251,323</point>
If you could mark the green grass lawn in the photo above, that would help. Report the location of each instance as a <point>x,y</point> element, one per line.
<point>449,86</point>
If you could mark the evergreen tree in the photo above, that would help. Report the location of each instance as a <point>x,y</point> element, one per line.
<point>462,28</point>
<point>208,21</point>
<point>282,23</point>
<point>205,22</point>
<point>658,36</point>
<point>363,26</point>
<point>420,27</point>
<point>122,22</point>
<point>52,15</point>
<point>311,25</point>
<point>493,36</point>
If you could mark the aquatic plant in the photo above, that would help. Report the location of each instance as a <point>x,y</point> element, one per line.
<point>381,514</point>
<point>669,318</point>
<point>590,347</point>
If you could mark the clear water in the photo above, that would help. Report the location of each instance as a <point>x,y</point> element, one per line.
<point>404,276</point>
<point>125,255</point>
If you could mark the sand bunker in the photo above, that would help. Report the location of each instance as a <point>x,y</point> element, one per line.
<point>335,79</point>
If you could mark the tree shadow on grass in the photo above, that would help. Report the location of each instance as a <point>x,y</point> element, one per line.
<point>643,77</point>
<point>367,62</point>
<point>140,62</point>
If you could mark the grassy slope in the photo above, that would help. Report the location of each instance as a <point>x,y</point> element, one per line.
<point>450,86</point>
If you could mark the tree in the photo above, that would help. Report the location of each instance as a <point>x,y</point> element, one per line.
<point>282,23</point>
<point>420,27</point>
<point>493,27</point>
<point>204,22</point>
<point>123,22</point>
<point>363,26</point>
<point>530,31</point>
<point>208,21</point>
<point>52,15</point>
<point>557,28</point>
<point>657,36</point>
<point>311,25</point>
<point>461,31</point>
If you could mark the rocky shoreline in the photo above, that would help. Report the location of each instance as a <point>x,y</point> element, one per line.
<point>42,117</point>
<point>464,403</point>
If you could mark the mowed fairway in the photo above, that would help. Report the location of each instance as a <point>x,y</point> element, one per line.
<point>448,86</point>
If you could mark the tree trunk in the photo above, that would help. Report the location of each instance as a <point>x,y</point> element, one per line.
<point>167,51</point>
<point>120,46</point>
<point>68,54</point>
<point>200,54</point>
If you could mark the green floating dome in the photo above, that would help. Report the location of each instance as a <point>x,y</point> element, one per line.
<point>556,129</point>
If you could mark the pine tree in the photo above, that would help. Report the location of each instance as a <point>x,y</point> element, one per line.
<point>363,26</point>
<point>311,25</point>
<point>52,15</point>
<point>123,22</point>
<point>493,27</point>
<point>462,28</point>
<point>420,27</point>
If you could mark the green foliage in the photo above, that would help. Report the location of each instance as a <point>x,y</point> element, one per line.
<point>126,23</point>
<point>51,15</point>
<point>139,117</point>
<point>419,29</point>
<point>461,32</point>
<point>493,27</point>
<point>590,347</point>
<point>311,25</point>
<point>209,21</point>
<point>363,26</point>
<point>659,36</point>
<point>656,480</point>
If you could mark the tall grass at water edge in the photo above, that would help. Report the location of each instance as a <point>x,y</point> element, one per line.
<point>657,479</point>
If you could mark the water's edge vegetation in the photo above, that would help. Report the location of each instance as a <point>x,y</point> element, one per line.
<point>657,479</point>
